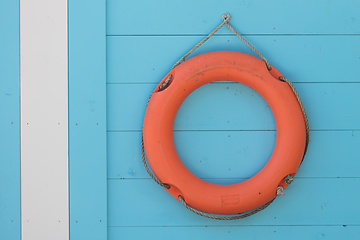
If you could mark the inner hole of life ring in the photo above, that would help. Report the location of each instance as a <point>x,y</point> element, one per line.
<point>224,132</point>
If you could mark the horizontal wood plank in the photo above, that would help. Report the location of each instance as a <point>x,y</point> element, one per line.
<point>299,58</point>
<point>237,232</point>
<point>227,157</point>
<point>232,106</point>
<point>200,17</point>
<point>142,202</point>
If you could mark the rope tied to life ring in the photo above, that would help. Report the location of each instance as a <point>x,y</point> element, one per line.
<point>287,179</point>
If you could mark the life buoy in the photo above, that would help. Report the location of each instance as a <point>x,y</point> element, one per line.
<point>158,132</point>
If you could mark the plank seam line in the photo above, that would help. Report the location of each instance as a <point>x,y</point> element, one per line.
<point>242,225</point>
<point>127,178</point>
<point>222,82</point>
<point>231,130</point>
<point>232,34</point>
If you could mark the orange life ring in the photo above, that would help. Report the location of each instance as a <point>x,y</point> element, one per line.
<point>158,132</point>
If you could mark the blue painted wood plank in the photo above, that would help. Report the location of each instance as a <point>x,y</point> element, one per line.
<point>316,201</point>
<point>235,233</point>
<point>10,225</point>
<point>87,120</point>
<point>299,58</point>
<point>201,17</point>
<point>232,106</point>
<point>231,156</point>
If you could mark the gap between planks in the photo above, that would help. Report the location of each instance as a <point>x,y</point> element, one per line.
<point>232,34</point>
<point>221,130</point>
<point>227,82</point>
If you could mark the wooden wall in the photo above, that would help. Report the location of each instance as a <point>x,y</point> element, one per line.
<point>225,132</point>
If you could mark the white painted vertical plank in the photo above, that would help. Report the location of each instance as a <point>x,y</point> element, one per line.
<point>44,119</point>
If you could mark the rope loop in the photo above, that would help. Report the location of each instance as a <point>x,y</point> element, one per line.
<point>226,17</point>
<point>280,191</point>
<point>165,84</point>
<point>289,179</point>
